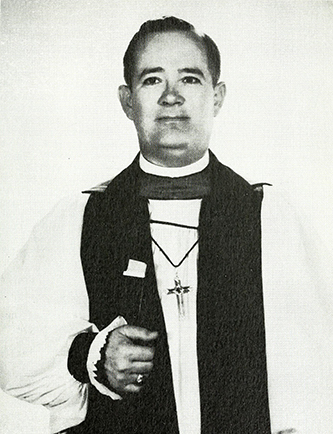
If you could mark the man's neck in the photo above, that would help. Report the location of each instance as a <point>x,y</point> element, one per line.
<point>174,172</point>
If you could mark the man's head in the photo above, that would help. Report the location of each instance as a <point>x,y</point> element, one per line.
<point>172,92</point>
<point>170,24</point>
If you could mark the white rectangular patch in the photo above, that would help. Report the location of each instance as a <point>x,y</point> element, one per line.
<point>135,269</point>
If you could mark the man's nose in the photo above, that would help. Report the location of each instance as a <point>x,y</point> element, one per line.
<point>171,96</point>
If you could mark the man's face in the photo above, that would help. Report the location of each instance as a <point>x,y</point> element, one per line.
<point>172,101</point>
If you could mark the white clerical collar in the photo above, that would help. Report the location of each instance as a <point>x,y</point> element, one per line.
<point>174,172</point>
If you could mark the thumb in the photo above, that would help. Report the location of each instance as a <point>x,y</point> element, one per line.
<point>135,333</point>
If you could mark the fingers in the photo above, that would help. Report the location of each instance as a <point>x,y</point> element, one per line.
<point>139,353</point>
<point>125,367</point>
<point>139,334</point>
<point>127,383</point>
<point>124,378</point>
<point>131,343</point>
<point>129,352</point>
<point>133,387</point>
<point>141,368</point>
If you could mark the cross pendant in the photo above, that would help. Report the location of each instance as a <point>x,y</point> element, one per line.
<point>179,290</point>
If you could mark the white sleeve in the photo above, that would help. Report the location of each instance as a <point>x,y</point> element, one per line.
<point>94,356</point>
<point>298,320</point>
<point>21,417</point>
<point>44,305</point>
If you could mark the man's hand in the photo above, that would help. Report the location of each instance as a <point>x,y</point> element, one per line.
<point>129,352</point>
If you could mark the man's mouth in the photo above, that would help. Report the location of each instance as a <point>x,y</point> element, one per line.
<point>171,119</point>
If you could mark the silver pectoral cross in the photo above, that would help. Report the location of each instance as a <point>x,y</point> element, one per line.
<point>179,290</point>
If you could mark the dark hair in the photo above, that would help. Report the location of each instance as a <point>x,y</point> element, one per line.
<point>169,24</point>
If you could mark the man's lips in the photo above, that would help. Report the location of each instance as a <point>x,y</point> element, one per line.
<point>172,118</point>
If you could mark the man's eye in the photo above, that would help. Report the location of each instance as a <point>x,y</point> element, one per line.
<point>150,81</point>
<point>191,80</point>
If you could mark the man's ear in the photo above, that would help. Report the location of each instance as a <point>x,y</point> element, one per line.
<point>219,94</point>
<point>125,98</point>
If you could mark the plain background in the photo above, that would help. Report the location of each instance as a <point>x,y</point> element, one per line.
<point>63,130</point>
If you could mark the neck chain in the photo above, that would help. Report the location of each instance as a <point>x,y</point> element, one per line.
<point>178,289</point>
<point>167,257</point>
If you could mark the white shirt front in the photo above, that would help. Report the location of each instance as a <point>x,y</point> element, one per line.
<point>181,327</point>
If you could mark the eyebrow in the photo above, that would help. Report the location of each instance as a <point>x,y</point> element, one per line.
<point>146,71</point>
<point>195,71</point>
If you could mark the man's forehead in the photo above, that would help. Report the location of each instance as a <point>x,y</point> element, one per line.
<point>177,46</point>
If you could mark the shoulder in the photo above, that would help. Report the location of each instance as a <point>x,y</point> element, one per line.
<point>230,186</point>
<point>99,188</point>
<point>229,180</point>
<point>69,209</point>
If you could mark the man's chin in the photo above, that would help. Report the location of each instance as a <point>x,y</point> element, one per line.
<point>174,154</point>
<point>173,147</point>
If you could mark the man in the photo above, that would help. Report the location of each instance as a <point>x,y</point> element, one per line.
<point>174,341</point>
<point>172,95</point>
